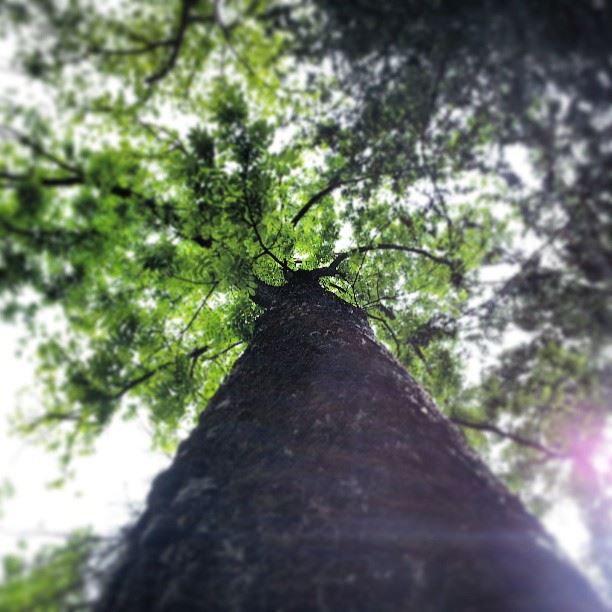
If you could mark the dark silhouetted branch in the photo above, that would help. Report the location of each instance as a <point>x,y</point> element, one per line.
<point>334,184</point>
<point>148,47</point>
<point>175,44</point>
<point>332,268</point>
<point>13,179</point>
<point>37,148</point>
<point>198,310</point>
<point>265,250</point>
<point>388,328</point>
<point>518,439</point>
<point>385,246</point>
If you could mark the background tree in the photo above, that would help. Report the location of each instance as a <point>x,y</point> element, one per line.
<point>196,153</point>
<point>56,580</point>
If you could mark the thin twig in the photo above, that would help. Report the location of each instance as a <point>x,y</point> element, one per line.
<point>198,310</point>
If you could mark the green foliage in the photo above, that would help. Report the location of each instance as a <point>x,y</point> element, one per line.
<point>187,155</point>
<point>6,492</point>
<point>53,581</point>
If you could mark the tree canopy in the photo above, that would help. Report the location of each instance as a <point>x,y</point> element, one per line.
<point>442,165</point>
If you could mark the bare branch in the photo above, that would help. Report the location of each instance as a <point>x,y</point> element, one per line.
<point>195,355</point>
<point>385,246</point>
<point>176,44</point>
<point>332,268</point>
<point>122,192</point>
<point>266,251</point>
<point>334,184</point>
<point>36,147</point>
<point>13,179</point>
<point>518,439</point>
<point>198,310</point>
<point>148,47</point>
<point>389,329</point>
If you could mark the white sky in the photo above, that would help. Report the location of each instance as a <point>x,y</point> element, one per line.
<point>106,490</point>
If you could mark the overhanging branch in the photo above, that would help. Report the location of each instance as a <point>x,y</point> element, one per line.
<point>37,148</point>
<point>334,184</point>
<point>13,179</point>
<point>332,268</point>
<point>252,223</point>
<point>386,325</point>
<point>175,44</point>
<point>518,439</point>
<point>194,355</point>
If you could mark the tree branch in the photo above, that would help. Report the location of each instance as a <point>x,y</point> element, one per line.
<point>335,183</point>
<point>253,224</point>
<point>170,137</point>
<point>176,44</point>
<point>198,310</point>
<point>117,190</point>
<point>195,354</point>
<point>47,181</point>
<point>187,280</point>
<point>389,330</point>
<point>54,416</point>
<point>36,147</point>
<point>55,237</point>
<point>147,47</point>
<point>518,439</point>
<point>227,349</point>
<point>332,268</point>
<point>130,384</point>
<point>385,246</point>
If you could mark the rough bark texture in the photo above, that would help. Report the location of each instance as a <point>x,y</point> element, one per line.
<point>321,477</point>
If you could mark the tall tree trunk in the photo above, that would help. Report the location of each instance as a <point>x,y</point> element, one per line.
<point>321,477</point>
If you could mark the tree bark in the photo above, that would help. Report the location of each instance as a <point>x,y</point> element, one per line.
<point>322,477</point>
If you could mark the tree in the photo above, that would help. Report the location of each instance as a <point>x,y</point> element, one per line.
<point>54,581</point>
<point>322,477</point>
<point>316,151</point>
